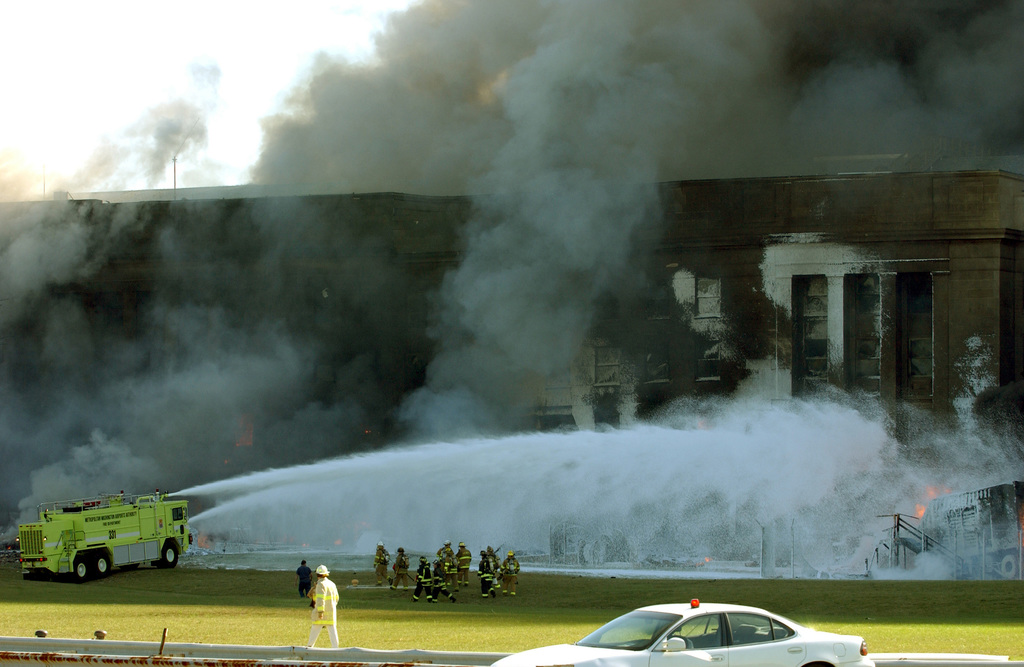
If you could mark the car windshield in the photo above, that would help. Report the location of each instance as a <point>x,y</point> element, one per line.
<point>635,631</point>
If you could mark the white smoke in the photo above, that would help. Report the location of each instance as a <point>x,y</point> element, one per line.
<point>100,466</point>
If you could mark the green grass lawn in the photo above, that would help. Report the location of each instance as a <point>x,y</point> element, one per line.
<point>255,607</point>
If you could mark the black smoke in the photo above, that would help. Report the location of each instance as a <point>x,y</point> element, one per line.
<point>561,116</point>
<point>154,345</point>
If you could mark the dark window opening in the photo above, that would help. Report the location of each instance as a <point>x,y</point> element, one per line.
<point>864,296</point>
<point>810,333</point>
<point>916,340</point>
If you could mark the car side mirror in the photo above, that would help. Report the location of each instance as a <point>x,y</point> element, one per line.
<point>675,644</point>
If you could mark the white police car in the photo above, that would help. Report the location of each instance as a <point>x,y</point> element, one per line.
<point>682,635</point>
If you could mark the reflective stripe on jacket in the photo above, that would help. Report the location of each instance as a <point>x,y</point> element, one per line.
<point>326,602</point>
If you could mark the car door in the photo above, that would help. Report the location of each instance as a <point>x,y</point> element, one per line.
<point>705,643</point>
<point>756,640</point>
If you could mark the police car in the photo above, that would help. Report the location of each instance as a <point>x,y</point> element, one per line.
<point>684,635</point>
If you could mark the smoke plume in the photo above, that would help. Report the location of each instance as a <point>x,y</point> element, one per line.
<point>560,116</point>
<point>691,90</point>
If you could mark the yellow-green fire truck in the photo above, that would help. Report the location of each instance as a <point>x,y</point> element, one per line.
<point>85,538</point>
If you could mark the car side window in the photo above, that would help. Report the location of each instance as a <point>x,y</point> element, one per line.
<point>701,632</point>
<point>749,628</point>
<point>781,631</point>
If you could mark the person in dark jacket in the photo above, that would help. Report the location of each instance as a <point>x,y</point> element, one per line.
<point>424,581</point>
<point>304,577</point>
<point>441,585</point>
<point>486,574</point>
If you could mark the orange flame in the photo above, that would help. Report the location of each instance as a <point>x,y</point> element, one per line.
<point>931,493</point>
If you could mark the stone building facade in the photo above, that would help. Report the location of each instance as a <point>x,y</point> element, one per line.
<point>907,286</point>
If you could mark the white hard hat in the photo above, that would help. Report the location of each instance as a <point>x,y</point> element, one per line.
<point>322,570</point>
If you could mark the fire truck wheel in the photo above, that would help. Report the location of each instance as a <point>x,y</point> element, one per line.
<point>81,569</point>
<point>1008,567</point>
<point>169,554</point>
<point>102,564</point>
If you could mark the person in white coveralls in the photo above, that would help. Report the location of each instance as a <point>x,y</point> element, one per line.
<point>324,607</point>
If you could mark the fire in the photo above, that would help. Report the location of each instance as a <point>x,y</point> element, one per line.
<point>931,493</point>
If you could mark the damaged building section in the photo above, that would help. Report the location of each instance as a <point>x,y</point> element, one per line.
<point>903,286</point>
<point>887,284</point>
<point>331,309</point>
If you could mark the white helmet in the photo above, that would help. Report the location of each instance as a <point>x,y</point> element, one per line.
<point>322,570</point>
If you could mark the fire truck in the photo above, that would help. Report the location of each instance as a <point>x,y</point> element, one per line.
<point>981,532</point>
<point>84,539</point>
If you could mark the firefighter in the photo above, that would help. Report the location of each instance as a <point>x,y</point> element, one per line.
<point>495,566</point>
<point>445,550</point>
<point>381,559</point>
<point>463,559</point>
<point>450,569</point>
<point>441,585</point>
<point>424,581</point>
<point>447,557</point>
<point>486,573</point>
<point>401,568</point>
<point>325,606</point>
<point>509,574</point>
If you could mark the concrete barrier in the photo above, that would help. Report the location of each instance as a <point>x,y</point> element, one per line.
<point>57,652</point>
<point>54,651</point>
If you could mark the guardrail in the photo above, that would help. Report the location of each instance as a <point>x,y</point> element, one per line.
<point>59,652</point>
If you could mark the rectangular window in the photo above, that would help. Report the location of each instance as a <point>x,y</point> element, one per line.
<point>707,315</point>
<point>555,411</point>
<point>810,332</point>
<point>656,365</point>
<point>558,391</point>
<point>708,298</point>
<point>709,360</point>
<point>606,366</point>
<point>916,320</point>
<point>866,320</point>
